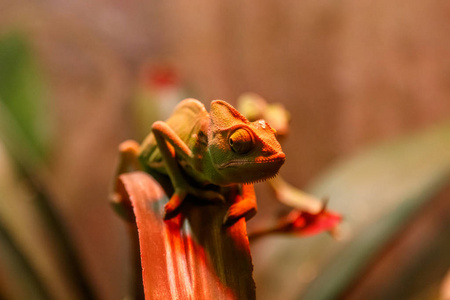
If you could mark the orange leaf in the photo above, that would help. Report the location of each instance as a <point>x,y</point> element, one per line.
<point>192,256</point>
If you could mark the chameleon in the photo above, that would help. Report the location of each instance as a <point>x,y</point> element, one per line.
<point>210,155</point>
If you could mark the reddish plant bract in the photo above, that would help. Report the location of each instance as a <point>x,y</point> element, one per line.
<point>192,256</point>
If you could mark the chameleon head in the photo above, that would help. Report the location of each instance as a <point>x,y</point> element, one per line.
<point>241,151</point>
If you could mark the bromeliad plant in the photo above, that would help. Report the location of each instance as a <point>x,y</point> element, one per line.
<point>190,250</point>
<point>193,254</point>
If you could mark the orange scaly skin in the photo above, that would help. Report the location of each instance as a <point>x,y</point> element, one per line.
<point>212,154</point>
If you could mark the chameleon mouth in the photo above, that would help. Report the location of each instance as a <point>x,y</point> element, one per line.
<point>275,160</point>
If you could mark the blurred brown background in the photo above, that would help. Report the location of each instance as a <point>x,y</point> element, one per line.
<point>352,73</point>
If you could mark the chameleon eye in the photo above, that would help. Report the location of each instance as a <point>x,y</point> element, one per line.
<point>241,141</point>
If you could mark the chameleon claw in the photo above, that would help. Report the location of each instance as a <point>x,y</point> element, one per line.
<point>171,208</point>
<point>169,212</point>
<point>236,212</point>
<point>228,221</point>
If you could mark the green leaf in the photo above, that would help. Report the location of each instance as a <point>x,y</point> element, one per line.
<point>25,115</point>
<point>376,191</point>
<point>26,210</point>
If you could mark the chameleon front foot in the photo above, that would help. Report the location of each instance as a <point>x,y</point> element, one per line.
<point>239,210</point>
<point>171,209</point>
<point>244,206</point>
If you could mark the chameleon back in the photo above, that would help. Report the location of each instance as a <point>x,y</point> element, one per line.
<point>186,121</point>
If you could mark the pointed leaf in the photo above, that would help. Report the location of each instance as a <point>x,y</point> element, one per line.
<point>192,256</point>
